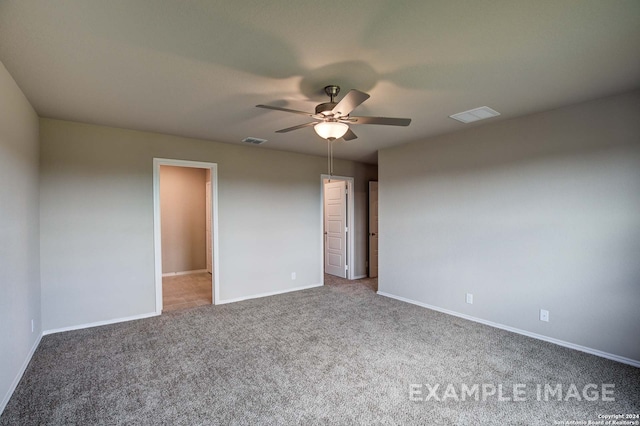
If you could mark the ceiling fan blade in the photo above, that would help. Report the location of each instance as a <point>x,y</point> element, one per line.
<point>387,121</point>
<point>350,102</point>
<point>300,126</point>
<point>295,111</point>
<point>349,136</point>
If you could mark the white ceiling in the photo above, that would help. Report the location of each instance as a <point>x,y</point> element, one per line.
<point>198,68</point>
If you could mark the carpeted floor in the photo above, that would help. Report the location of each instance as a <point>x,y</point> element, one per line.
<point>337,354</point>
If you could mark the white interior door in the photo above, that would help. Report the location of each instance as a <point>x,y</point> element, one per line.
<point>373,229</point>
<point>335,230</point>
<point>208,225</point>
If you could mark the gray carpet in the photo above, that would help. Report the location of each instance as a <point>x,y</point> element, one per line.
<point>337,354</point>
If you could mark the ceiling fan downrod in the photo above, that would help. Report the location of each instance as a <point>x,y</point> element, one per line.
<point>332,91</point>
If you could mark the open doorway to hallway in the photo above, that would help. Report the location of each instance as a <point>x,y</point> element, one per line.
<point>185,234</point>
<point>186,278</point>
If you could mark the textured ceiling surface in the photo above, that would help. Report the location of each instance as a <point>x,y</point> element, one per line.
<point>198,68</point>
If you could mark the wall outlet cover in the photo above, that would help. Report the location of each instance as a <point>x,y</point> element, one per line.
<point>544,315</point>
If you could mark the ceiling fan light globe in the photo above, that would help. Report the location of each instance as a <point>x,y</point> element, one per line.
<point>331,130</point>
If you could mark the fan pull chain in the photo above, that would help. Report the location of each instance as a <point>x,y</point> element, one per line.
<point>330,157</point>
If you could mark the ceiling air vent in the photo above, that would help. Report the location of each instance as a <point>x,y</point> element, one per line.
<point>254,141</point>
<point>475,114</point>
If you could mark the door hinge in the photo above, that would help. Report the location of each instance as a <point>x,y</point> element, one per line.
<point>346,229</point>
<point>346,267</point>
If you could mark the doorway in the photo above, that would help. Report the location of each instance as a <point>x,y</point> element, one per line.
<point>337,226</point>
<point>185,234</point>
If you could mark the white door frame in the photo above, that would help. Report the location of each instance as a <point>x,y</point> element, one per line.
<point>369,233</point>
<point>350,246</point>
<point>157,229</point>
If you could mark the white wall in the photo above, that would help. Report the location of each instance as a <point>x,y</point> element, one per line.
<point>19,233</point>
<point>97,218</point>
<point>536,212</point>
<point>182,207</point>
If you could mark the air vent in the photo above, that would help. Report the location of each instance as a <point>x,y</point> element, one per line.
<point>254,141</point>
<point>475,114</point>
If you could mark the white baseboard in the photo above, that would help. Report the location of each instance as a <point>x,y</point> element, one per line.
<point>358,277</point>
<point>271,293</point>
<point>624,360</point>
<point>18,377</point>
<point>99,323</point>
<point>195,271</point>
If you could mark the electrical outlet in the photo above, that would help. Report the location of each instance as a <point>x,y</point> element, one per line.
<point>33,327</point>
<point>544,315</point>
<point>470,298</point>
<point>293,275</point>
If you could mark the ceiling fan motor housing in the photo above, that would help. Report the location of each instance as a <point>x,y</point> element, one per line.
<point>325,108</point>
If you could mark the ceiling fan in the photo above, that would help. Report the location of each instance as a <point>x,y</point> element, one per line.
<point>333,119</point>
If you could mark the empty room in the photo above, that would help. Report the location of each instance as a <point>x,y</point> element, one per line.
<point>297,213</point>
